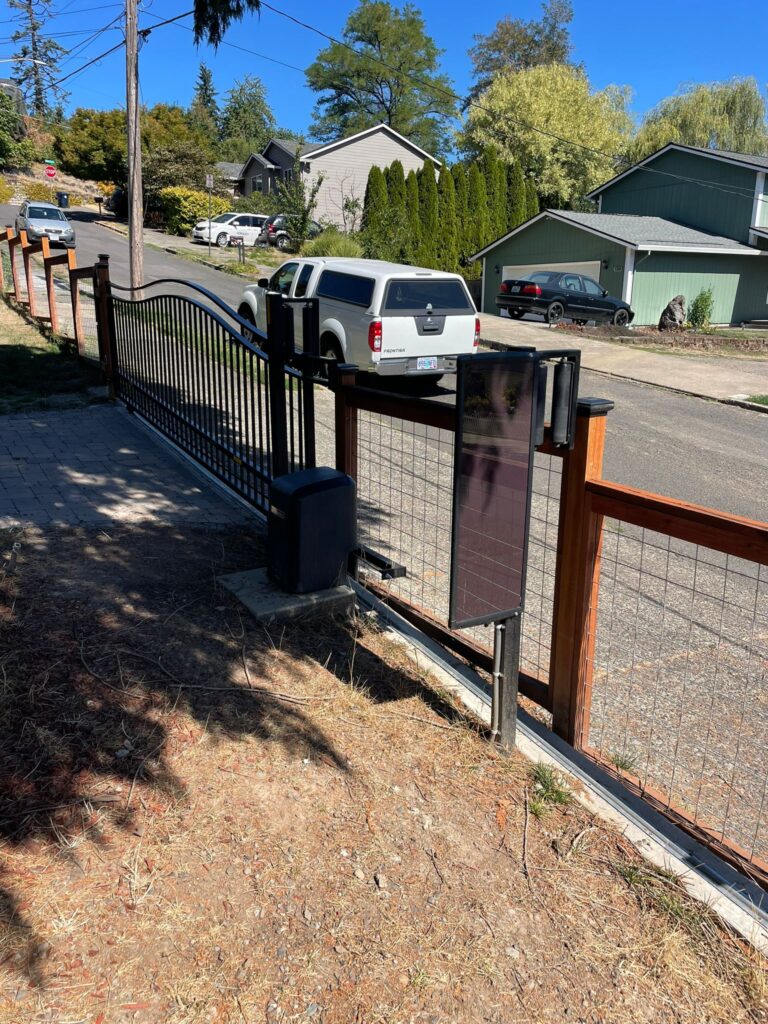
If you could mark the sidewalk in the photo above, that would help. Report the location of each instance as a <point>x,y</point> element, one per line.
<point>720,378</point>
<point>97,467</point>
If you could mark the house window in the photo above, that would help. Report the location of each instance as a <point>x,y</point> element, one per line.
<point>257,183</point>
<point>288,175</point>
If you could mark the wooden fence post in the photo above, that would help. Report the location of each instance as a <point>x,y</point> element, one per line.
<point>74,295</point>
<point>577,575</point>
<point>27,260</point>
<point>50,287</point>
<point>13,242</point>
<point>345,417</point>
<point>104,321</point>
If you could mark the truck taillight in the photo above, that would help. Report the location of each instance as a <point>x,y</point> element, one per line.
<point>531,289</point>
<point>374,336</point>
<point>477,332</point>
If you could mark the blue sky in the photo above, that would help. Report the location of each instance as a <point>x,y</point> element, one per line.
<point>654,47</point>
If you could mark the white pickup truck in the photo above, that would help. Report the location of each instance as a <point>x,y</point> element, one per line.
<point>388,318</point>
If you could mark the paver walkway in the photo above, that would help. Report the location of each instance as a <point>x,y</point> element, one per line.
<point>97,466</point>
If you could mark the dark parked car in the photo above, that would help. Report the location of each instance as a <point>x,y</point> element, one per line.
<point>555,294</point>
<point>277,231</point>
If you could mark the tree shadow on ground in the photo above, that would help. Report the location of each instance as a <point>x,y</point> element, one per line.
<point>109,642</point>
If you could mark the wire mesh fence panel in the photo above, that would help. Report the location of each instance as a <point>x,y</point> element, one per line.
<point>680,687</point>
<point>39,290</point>
<point>17,263</point>
<point>405,500</point>
<point>88,318</point>
<point>7,275</point>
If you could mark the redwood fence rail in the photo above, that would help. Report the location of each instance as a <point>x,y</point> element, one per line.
<point>645,632</point>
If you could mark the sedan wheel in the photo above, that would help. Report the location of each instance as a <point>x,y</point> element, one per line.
<point>621,318</point>
<point>555,312</point>
<point>222,240</point>
<point>516,314</point>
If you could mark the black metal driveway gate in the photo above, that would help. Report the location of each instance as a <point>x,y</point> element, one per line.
<point>209,381</point>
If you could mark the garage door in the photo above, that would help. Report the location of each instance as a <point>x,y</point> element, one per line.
<point>591,269</point>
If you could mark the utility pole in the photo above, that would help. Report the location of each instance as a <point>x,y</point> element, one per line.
<point>133,125</point>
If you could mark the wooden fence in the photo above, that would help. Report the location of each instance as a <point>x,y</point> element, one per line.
<point>24,294</point>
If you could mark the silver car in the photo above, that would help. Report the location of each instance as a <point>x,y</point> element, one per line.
<point>44,220</point>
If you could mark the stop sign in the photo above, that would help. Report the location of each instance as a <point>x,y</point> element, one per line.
<point>50,172</point>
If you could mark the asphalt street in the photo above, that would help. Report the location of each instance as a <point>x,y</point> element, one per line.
<point>686,447</point>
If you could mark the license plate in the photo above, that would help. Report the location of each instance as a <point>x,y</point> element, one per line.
<point>515,288</point>
<point>427,363</point>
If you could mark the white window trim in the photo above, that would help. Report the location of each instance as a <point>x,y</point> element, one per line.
<point>628,282</point>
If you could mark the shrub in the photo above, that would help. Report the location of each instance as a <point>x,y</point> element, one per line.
<point>184,207</point>
<point>6,191</point>
<point>37,190</point>
<point>331,242</point>
<point>700,310</point>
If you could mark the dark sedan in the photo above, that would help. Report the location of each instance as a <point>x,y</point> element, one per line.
<point>555,294</point>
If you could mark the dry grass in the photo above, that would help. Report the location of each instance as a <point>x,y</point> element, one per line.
<point>204,821</point>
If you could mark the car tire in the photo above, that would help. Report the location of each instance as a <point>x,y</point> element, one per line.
<point>222,240</point>
<point>283,243</point>
<point>555,313</point>
<point>620,318</point>
<point>329,349</point>
<point>247,314</point>
<point>516,314</point>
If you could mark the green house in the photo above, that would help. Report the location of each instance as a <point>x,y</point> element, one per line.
<point>682,220</point>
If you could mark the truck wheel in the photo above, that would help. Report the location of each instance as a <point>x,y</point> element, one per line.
<point>329,349</point>
<point>283,243</point>
<point>247,314</point>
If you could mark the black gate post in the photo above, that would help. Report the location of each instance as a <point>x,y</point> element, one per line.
<point>105,324</point>
<point>507,683</point>
<point>277,351</point>
<point>311,346</point>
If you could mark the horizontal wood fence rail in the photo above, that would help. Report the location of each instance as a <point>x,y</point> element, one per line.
<point>707,527</point>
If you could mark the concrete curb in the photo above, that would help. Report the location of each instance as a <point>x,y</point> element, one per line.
<point>499,346</point>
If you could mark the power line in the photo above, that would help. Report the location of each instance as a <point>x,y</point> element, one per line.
<point>66,14</point>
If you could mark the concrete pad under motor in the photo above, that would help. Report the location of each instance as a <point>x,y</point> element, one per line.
<point>267,603</point>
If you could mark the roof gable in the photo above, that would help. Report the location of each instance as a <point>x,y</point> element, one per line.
<point>320,149</point>
<point>752,163</point>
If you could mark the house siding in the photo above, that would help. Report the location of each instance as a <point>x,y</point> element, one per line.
<point>549,241</point>
<point>345,170</point>
<point>725,210</point>
<point>739,285</point>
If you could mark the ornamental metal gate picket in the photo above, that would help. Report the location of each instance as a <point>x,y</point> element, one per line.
<point>209,381</point>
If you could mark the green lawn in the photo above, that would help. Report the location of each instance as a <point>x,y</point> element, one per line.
<point>759,399</point>
<point>32,368</point>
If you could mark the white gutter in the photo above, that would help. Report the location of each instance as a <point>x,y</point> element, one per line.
<point>629,275</point>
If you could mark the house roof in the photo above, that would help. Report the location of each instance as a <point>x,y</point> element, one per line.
<point>757,163</point>
<point>316,148</point>
<point>653,233</point>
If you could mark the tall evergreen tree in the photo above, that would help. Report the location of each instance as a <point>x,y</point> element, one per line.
<point>447,248</point>
<point>531,198</point>
<point>494,172</point>
<point>36,59</point>
<point>246,122</point>
<point>427,250</point>
<point>395,179</point>
<point>477,204</point>
<point>204,110</point>
<point>517,205</point>
<point>376,200</point>
<point>412,216</point>
<point>459,173</point>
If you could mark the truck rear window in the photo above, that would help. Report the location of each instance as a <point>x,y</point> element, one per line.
<point>335,284</point>
<point>414,296</point>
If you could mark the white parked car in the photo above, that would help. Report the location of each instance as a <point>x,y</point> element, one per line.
<point>388,318</point>
<point>226,226</point>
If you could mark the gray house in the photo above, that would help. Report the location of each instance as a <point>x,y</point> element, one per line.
<point>344,165</point>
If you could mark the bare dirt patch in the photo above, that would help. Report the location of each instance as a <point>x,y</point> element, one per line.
<point>205,821</point>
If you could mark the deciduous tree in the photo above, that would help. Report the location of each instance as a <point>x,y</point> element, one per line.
<point>563,132</point>
<point>516,44</point>
<point>371,77</point>
<point>719,115</point>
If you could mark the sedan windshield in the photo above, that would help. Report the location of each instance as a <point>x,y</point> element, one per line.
<point>44,213</point>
